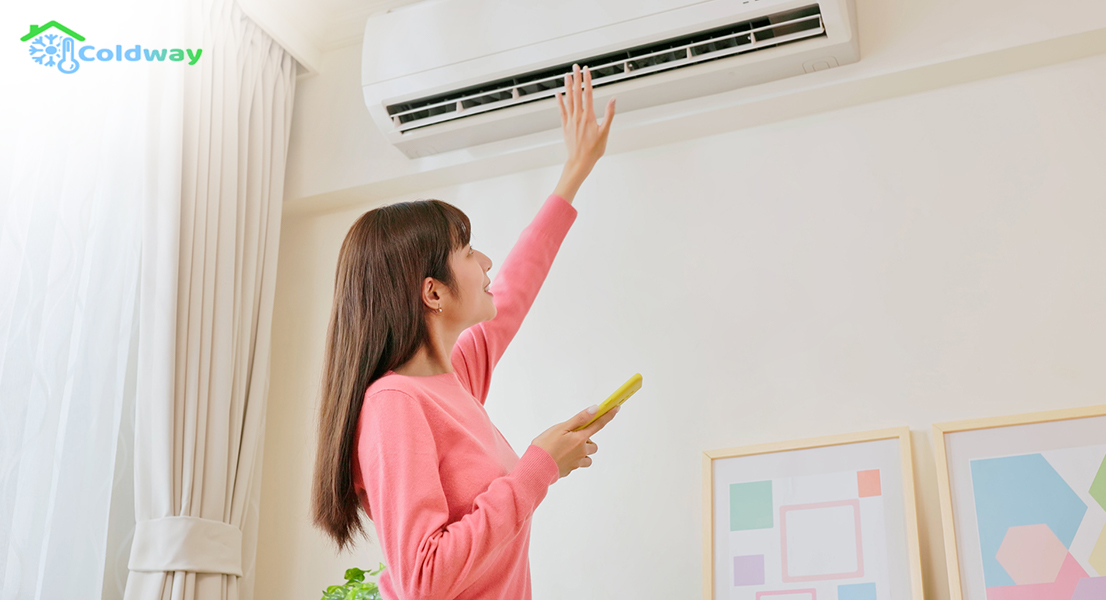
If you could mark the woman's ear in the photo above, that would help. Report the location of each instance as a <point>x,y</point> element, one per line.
<point>429,293</point>
<point>433,292</point>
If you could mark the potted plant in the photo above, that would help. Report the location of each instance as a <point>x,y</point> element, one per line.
<point>355,588</point>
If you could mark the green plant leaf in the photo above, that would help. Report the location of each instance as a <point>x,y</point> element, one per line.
<point>355,588</point>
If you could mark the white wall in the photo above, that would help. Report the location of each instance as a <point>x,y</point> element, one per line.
<point>926,258</point>
<point>338,158</point>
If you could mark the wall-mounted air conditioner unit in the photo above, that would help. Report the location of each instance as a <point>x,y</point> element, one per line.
<point>446,74</point>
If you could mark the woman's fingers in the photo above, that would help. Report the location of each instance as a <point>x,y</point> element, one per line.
<point>607,117</point>
<point>564,114</point>
<point>599,423</point>
<point>572,449</point>
<point>577,89</point>
<point>589,112</point>
<point>590,448</point>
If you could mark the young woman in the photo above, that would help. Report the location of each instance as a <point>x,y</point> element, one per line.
<point>414,335</point>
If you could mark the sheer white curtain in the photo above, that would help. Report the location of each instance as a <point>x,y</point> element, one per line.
<point>84,158</point>
<point>139,220</point>
<point>203,377</point>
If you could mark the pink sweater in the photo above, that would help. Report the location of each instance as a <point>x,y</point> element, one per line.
<point>450,499</point>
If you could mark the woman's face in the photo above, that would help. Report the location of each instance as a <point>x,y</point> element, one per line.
<point>470,267</point>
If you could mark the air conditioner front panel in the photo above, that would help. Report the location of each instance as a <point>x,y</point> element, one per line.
<point>385,61</point>
<point>836,45</point>
<point>433,34</point>
<point>708,78</point>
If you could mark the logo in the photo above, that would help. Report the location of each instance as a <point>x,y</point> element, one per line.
<point>55,45</point>
<point>53,49</point>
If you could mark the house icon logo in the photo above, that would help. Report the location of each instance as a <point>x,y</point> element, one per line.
<point>52,45</point>
<point>55,45</point>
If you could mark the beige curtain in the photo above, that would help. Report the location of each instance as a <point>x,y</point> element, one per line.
<point>83,158</point>
<point>206,296</point>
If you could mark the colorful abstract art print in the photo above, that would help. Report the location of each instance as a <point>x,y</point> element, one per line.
<point>820,531</point>
<point>1028,498</point>
<point>1041,520</point>
<point>836,521</point>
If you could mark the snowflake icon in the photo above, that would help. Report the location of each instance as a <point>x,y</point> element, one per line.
<point>51,49</point>
<point>46,49</point>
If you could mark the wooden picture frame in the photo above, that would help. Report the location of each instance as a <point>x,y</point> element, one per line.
<point>831,461</point>
<point>970,453</point>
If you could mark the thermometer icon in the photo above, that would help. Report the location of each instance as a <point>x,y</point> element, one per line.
<point>68,64</point>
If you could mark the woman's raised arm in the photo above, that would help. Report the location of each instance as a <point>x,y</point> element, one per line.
<point>585,137</point>
<point>516,285</point>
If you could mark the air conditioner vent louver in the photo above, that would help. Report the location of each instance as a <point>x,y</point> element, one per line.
<point>673,53</point>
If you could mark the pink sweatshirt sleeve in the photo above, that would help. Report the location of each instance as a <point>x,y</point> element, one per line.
<point>480,347</point>
<point>428,556</point>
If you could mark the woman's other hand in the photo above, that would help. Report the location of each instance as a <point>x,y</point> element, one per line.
<point>573,449</point>
<point>585,138</point>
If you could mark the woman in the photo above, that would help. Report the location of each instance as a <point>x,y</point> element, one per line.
<point>413,338</point>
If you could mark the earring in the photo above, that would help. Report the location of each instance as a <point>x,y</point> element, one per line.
<point>439,308</point>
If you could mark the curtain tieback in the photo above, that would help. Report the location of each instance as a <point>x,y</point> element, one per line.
<point>186,544</point>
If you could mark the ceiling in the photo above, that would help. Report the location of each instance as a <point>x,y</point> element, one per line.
<point>309,28</point>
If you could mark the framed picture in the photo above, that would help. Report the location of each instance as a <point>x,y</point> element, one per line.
<point>828,518</point>
<point>1023,505</point>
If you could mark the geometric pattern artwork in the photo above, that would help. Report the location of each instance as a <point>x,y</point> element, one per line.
<point>1062,589</point>
<point>1097,559</point>
<point>857,591</point>
<point>1013,491</point>
<point>867,483</point>
<point>1090,588</point>
<point>1042,524</point>
<point>789,595</point>
<point>748,570</point>
<point>751,505</point>
<point>1098,486</point>
<point>808,537</point>
<point>1031,554</point>
<point>821,541</point>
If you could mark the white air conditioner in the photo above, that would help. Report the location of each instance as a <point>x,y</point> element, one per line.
<point>446,74</point>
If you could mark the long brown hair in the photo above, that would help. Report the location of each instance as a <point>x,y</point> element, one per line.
<point>377,323</point>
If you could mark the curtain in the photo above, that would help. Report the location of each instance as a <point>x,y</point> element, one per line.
<point>139,218</point>
<point>83,158</point>
<point>203,373</point>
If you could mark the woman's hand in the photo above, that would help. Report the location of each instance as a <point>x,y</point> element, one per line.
<point>573,449</point>
<point>585,137</point>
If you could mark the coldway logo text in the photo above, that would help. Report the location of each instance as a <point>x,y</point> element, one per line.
<point>55,45</point>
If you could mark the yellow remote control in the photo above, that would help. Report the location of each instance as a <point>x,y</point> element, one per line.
<point>619,396</point>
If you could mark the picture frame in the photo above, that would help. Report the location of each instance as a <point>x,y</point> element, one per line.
<point>1018,506</point>
<point>830,498</point>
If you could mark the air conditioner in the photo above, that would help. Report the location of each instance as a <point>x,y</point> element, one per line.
<point>446,74</point>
